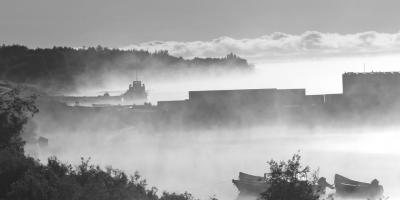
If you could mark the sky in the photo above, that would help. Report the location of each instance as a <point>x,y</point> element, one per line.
<point>123,23</point>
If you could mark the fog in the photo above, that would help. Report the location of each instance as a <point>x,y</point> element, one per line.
<point>204,162</point>
<point>316,75</point>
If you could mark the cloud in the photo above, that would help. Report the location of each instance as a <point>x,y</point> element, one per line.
<point>276,45</point>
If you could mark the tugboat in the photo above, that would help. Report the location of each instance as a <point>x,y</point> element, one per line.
<point>135,92</point>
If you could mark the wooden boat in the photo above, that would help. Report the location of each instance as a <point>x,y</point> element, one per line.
<point>347,188</point>
<point>250,185</point>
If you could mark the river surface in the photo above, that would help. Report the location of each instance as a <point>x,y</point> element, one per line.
<point>205,162</point>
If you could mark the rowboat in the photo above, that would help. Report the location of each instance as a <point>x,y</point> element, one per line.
<point>347,188</point>
<point>250,185</point>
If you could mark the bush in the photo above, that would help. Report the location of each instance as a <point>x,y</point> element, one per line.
<point>290,181</point>
<point>14,114</point>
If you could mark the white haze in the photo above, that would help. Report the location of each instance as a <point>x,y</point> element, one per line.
<point>317,76</point>
<point>204,162</point>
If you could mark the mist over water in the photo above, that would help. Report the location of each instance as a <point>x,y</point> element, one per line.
<point>203,162</point>
<point>317,76</point>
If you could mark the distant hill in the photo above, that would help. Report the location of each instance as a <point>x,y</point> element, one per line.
<point>59,68</point>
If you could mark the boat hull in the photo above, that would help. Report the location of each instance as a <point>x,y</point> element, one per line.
<point>248,187</point>
<point>347,188</point>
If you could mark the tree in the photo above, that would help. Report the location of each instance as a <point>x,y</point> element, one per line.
<point>14,114</point>
<point>290,181</point>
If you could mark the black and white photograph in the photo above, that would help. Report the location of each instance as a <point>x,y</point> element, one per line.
<point>199,99</point>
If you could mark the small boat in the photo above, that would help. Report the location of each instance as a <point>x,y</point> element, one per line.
<point>250,185</point>
<point>347,188</point>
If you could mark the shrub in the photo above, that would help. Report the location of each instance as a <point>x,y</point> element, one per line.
<point>290,181</point>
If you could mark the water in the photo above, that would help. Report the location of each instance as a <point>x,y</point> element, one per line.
<point>204,163</point>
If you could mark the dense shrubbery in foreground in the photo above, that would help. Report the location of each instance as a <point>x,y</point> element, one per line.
<point>22,177</point>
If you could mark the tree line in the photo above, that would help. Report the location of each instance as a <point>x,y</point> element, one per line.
<point>57,68</point>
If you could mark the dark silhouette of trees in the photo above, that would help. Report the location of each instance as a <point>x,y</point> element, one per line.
<point>59,68</point>
<point>290,181</point>
<point>14,114</point>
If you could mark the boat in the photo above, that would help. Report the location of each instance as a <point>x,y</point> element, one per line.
<point>250,185</point>
<point>347,188</point>
<point>136,94</point>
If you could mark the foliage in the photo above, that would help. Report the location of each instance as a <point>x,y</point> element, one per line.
<point>24,178</point>
<point>61,181</point>
<point>14,113</point>
<point>290,181</point>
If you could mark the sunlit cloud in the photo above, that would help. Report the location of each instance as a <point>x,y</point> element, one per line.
<point>310,43</point>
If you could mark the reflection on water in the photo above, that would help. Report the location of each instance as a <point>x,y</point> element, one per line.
<point>204,162</point>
